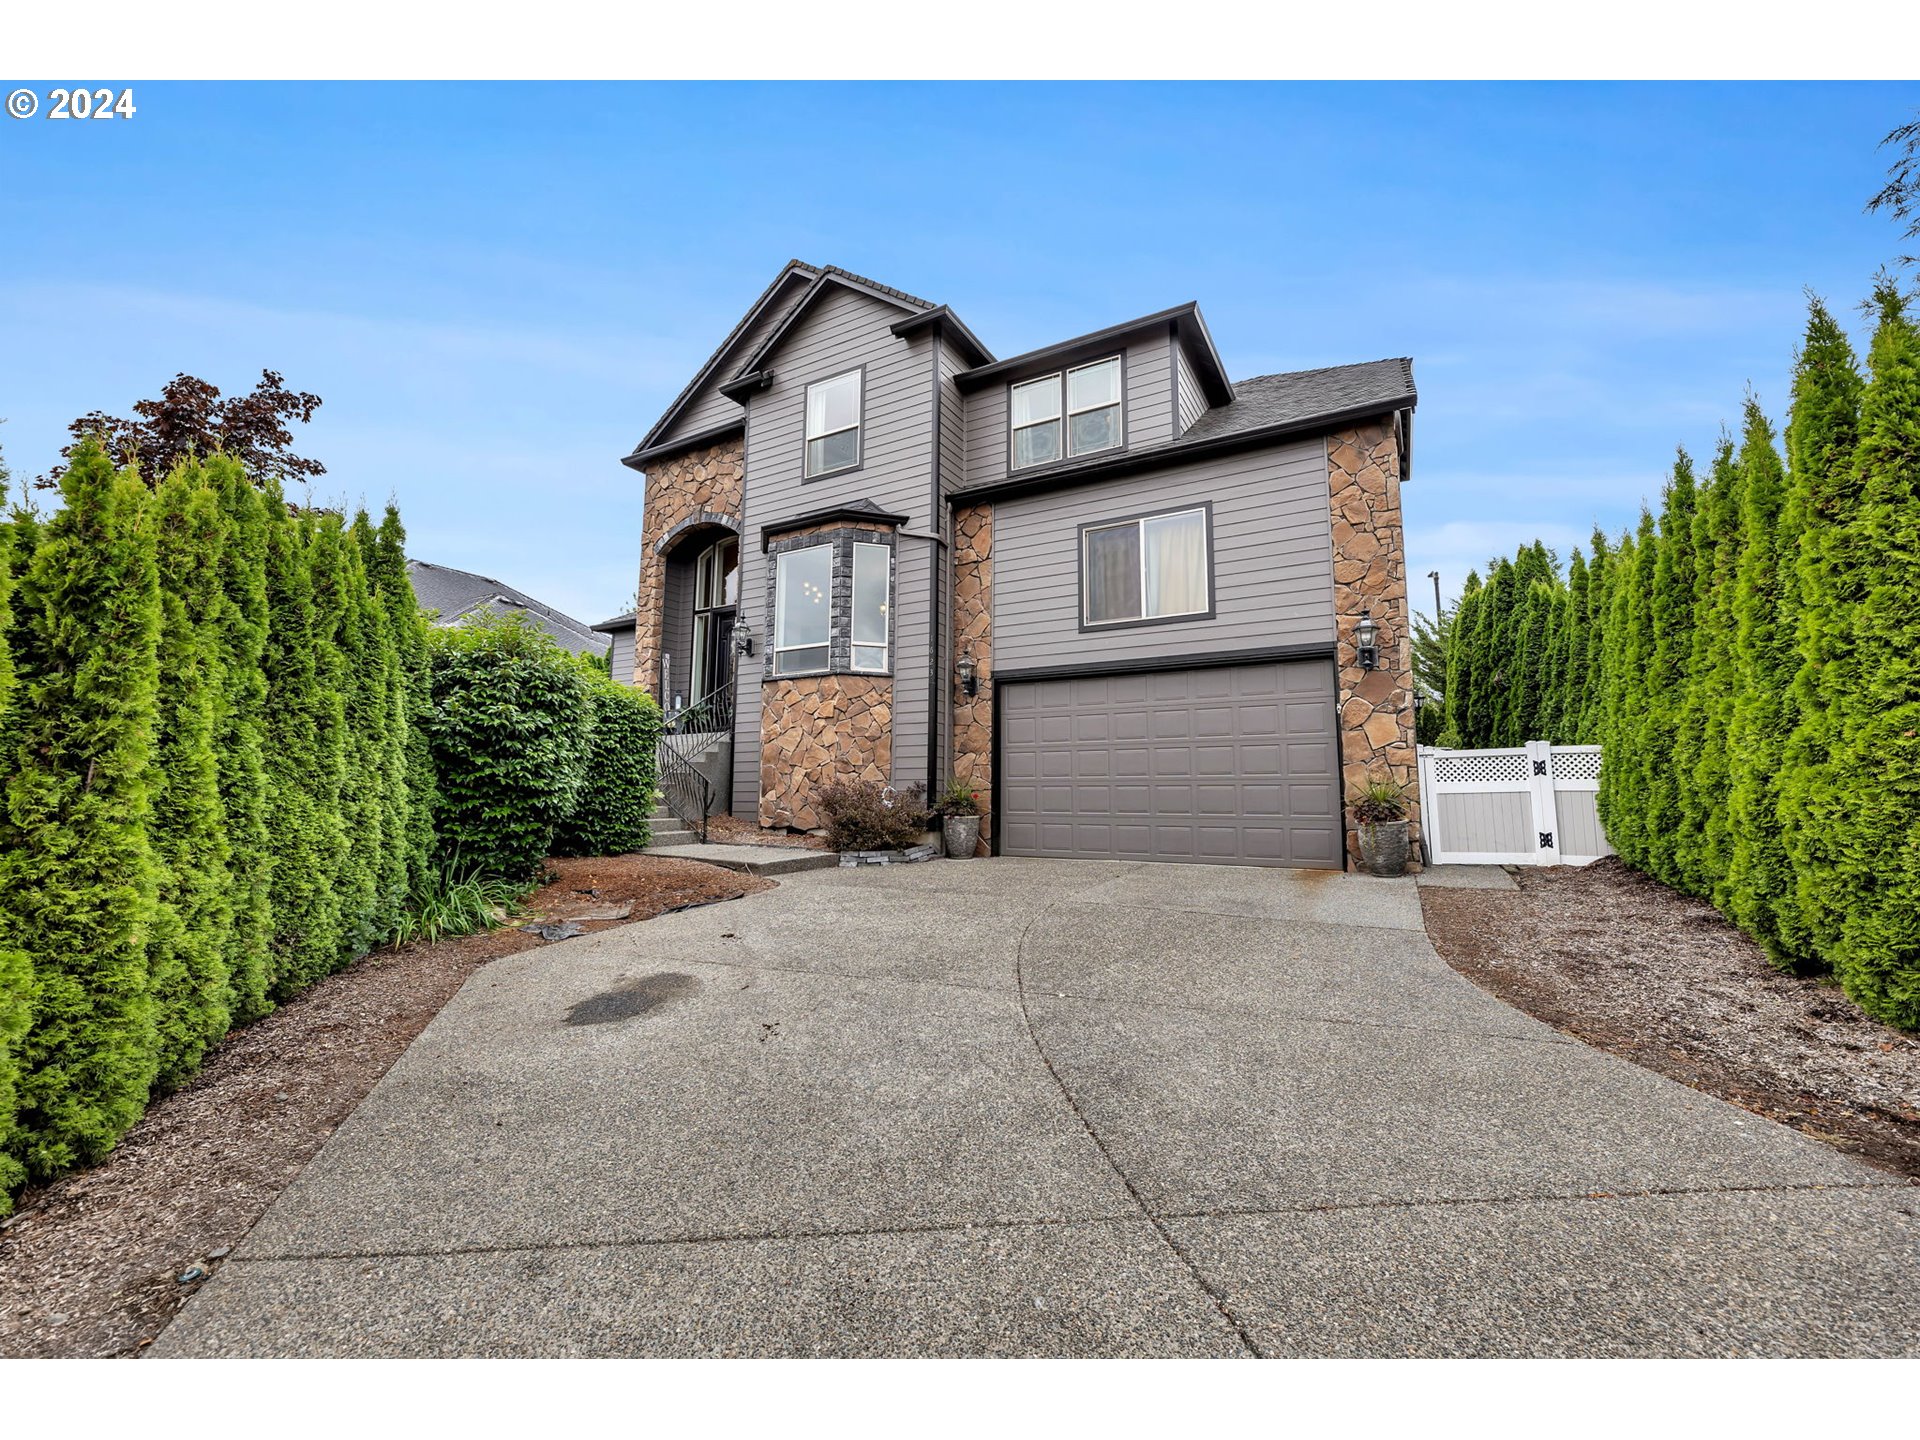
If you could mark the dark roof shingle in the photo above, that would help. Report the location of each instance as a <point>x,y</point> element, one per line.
<point>454,593</point>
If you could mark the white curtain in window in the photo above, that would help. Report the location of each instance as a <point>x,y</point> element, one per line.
<point>1174,555</point>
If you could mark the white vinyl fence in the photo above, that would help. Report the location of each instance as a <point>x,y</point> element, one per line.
<point>1537,805</point>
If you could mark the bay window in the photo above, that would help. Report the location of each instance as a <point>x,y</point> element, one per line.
<point>872,593</point>
<point>803,610</point>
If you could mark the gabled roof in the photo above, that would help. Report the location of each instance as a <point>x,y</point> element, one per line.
<point>1189,328</point>
<point>458,593</point>
<point>830,276</point>
<point>1265,409</point>
<point>721,366</point>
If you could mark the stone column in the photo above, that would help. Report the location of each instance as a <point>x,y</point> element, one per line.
<point>703,483</point>
<point>973,637</point>
<point>1370,575</point>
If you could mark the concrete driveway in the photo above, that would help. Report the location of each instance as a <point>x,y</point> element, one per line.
<point>1022,1107</point>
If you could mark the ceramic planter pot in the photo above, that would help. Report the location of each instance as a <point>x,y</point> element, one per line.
<point>1383,847</point>
<point>963,834</point>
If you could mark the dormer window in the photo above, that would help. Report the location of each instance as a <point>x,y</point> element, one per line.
<point>833,425</point>
<point>1084,401</point>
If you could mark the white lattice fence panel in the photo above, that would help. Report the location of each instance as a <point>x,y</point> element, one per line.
<point>1509,807</point>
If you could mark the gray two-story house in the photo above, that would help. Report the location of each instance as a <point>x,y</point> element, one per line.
<point>1118,594</point>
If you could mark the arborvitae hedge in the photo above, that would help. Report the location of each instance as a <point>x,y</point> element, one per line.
<point>1752,666</point>
<point>612,814</point>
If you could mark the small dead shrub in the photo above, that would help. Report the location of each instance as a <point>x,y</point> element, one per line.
<point>861,816</point>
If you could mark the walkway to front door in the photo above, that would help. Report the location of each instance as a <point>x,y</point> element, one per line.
<point>1039,1107</point>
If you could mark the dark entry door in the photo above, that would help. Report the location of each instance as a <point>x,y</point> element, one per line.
<point>718,669</point>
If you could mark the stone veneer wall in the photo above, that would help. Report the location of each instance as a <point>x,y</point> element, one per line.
<point>816,730</point>
<point>973,635</point>
<point>703,483</point>
<point>1370,573</point>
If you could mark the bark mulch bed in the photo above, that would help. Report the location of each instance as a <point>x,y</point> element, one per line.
<point>731,830</point>
<point>91,1265</point>
<point>1622,962</point>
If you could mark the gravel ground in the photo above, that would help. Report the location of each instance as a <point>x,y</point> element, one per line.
<point>1626,964</point>
<point>91,1265</point>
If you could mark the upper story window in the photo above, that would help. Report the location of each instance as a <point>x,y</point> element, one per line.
<point>1084,402</point>
<point>872,607</point>
<point>833,424</point>
<point>1153,567</point>
<point>803,610</point>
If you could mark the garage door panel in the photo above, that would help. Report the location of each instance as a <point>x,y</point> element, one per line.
<point>1225,765</point>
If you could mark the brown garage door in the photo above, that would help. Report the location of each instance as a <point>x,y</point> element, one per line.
<point>1236,765</point>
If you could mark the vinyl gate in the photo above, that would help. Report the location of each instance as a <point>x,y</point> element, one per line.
<point>1537,805</point>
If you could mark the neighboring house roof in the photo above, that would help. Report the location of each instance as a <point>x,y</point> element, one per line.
<point>1265,408</point>
<point>454,594</point>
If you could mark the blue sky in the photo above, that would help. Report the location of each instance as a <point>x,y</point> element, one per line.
<point>496,289</point>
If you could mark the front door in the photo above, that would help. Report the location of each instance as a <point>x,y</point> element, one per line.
<point>716,599</point>
<point>717,664</point>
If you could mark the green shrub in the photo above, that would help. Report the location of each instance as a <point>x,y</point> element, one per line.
<point>16,972</point>
<point>613,815</point>
<point>510,734</point>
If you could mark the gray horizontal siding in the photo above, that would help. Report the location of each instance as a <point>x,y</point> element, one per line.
<point>1149,411</point>
<point>1193,400</point>
<point>1272,561</point>
<point>620,658</point>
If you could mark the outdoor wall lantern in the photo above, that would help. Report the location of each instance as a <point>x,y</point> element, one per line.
<point>969,675</point>
<point>742,638</point>
<point>1366,641</point>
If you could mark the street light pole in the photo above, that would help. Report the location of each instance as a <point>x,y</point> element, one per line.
<point>1434,575</point>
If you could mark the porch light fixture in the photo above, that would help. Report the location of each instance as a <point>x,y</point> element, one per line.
<point>969,675</point>
<point>742,638</point>
<point>1366,641</point>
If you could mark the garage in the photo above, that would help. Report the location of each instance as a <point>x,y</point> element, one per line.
<point>1224,765</point>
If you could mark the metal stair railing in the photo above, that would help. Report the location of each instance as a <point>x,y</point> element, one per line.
<point>712,715</point>
<point>686,792</point>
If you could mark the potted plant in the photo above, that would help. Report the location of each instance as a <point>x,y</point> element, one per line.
<point>1381,813</point>
<point>960,821</point>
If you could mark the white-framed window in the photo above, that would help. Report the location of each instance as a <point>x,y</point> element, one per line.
<point>872,604</point>
<point>833,424</point>
<point>803,610</point>
<point>1152,567</point>
<point>1068,413</point>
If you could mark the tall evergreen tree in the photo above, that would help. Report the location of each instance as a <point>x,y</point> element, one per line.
<point>1758,871</point>
<point>1672,617</point>
<point>77,873</point>
<point>187,956</point>
<point>1817,604</point>
<point>16,972</point>
<point>1593,687</point>
<point>304,833</point>
<point>1573,662</point>
<point>410,643</point>
<point>1487,661</point>
<point>1712,677</point>
<point>239,739</point>
<point>388,701</point>
<point>346,884</point>
<point>1630,650</point>
<point>1878,958</point>
<point>1466,615</point>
